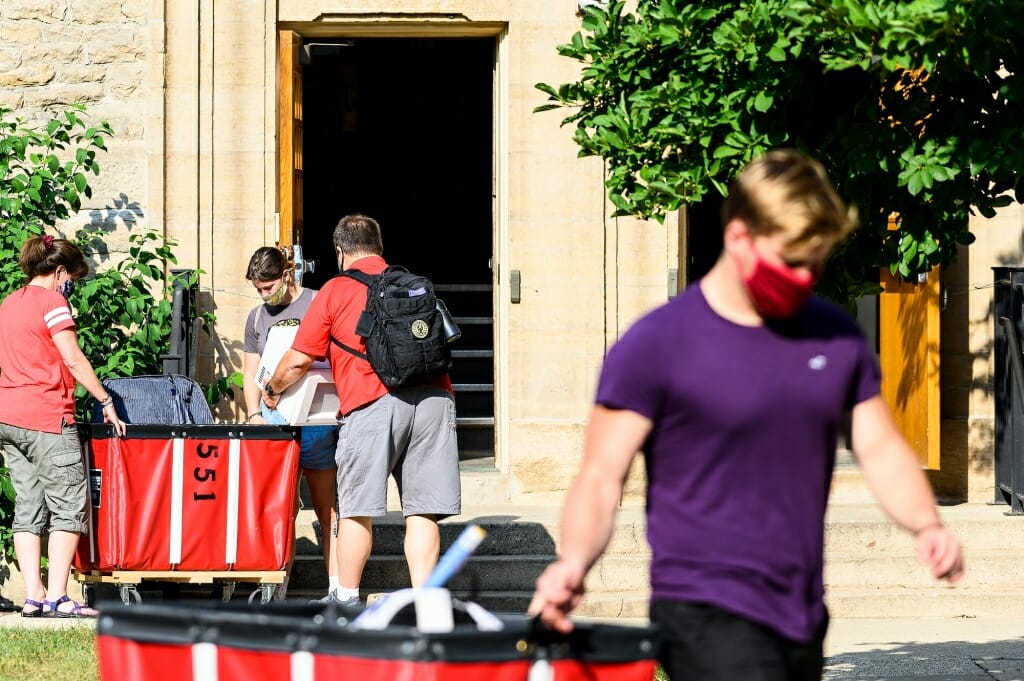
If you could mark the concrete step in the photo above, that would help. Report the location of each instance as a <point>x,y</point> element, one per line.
<point>920,602</point>
<point>511,530</point>
<point>870,564</point>
<point>389,572</point>
<point>899,571</point>
<point>501,574</point>
<point>612,574</point>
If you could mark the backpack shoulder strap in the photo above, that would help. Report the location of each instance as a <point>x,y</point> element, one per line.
<point>366,280</point>
<point>349,349</point>
<point>358,275</point>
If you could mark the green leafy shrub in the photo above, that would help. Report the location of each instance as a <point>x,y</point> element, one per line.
<point>124,311</point>
<point>913,107</point>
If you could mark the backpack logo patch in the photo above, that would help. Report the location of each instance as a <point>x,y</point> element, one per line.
<point>420,329</point>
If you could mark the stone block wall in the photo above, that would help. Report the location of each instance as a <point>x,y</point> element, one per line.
<point>95,52</point>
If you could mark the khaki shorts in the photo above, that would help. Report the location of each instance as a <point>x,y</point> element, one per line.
<point>408,433</point>
<point>48,474</point>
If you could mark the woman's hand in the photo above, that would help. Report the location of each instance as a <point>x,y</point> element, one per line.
<point>110,416</point>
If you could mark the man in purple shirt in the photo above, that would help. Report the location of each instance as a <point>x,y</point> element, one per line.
<point>735,392</point>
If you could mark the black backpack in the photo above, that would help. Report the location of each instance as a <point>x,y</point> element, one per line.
<point>403,327</point>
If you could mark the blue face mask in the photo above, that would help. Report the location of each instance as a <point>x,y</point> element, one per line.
<point>66,288</point>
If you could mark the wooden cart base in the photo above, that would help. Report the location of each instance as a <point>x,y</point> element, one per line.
<point>127,581</point>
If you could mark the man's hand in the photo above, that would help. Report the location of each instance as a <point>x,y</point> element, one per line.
<point>270,400</point>
<point>559,591</point>
<point>939,549</point>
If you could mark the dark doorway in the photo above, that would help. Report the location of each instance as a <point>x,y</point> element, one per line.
<point>703,236</point>
<point>401,129</point>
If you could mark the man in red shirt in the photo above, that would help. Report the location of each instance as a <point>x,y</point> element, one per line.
<point>407,432</point>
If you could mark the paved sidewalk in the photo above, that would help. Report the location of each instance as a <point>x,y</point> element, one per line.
<point>14,619</point>
<point>925,649</point>
<point>869,649</point>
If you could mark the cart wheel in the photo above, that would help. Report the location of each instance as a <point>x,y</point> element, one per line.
<point>228,590</point>
<point>129,594</point>
<point>89,595</point>
<point>265,592</point>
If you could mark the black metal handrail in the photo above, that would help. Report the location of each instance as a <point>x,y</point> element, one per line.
<point>183,352</point>
<point>1016,462</point>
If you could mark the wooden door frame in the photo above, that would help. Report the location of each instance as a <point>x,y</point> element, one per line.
<point>289,138</point>
<point>909,333</point>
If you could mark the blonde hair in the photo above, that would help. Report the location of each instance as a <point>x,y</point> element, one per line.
<point>786,191</point>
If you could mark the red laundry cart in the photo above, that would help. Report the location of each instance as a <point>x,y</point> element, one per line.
<point>189,503</point>
<point>299,642</point>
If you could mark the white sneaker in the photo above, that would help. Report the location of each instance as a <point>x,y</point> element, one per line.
<point>324,599</point>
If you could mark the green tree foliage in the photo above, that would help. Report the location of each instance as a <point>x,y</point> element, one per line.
<point>123,311</point>
<point>914,108</point>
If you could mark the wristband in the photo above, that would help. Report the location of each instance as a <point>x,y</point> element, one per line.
<point>255,413</point>
<point>929,526</point>
<point>107,402</point>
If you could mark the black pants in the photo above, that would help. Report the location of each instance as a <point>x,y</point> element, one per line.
<point>704,643</point>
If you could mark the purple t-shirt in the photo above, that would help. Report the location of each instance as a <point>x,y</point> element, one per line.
<point>740,457</point>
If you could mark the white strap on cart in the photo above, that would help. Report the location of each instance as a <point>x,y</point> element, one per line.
<point>541,670</point>
<point>177,490</point>
<point>204,662</point>
<point>177,500</point>
<point>231,541</point>
<point>301,666</point>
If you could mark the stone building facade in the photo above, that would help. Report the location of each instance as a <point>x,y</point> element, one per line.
<point>419,112</point>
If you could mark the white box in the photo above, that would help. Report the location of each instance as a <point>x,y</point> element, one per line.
<point>310,400</point>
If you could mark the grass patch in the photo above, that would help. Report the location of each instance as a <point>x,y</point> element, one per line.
<point>61,654</point>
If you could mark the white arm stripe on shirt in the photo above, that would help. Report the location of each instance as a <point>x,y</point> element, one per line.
<point>57,316</point>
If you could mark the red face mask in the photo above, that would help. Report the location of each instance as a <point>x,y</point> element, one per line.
<point>777,291</point>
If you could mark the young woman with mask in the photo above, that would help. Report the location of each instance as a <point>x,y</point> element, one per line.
<point>285,303</point>
<point>40,363</point>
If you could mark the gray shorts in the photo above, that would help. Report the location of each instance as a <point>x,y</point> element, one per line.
<point>408,433</point>
<point>48,474</point>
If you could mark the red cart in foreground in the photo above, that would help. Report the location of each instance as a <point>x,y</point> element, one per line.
<point>189,504</point>
<point>302,642</point>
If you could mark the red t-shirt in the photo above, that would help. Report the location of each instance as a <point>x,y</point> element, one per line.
<point>335,311</point>
<point>37,389</point>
